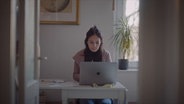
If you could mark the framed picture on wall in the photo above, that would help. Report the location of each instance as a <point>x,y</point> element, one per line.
<point>64,12</point>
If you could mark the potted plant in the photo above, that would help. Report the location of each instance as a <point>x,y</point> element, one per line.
<point>123,41</point>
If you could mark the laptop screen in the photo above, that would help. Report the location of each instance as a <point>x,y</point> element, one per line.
<point>99,73</point>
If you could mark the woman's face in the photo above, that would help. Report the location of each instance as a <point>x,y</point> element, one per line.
<point>94,43</point>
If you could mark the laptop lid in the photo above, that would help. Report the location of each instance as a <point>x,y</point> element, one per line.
<point>99,73</point>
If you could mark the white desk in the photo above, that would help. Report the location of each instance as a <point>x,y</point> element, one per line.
<point>74,90</point>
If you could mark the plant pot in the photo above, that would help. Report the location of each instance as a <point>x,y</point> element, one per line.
<point>123,64</point>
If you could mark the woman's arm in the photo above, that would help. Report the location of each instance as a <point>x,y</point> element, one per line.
<point>109,57</point>
<point>106,56</point>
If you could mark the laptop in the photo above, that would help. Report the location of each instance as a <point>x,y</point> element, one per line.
<point>99,73</point>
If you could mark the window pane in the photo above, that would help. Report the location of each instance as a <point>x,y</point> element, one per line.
<point>132,7</point>
<point>127,8</point>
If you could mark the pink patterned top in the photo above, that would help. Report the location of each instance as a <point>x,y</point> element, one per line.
<point>79,57</point>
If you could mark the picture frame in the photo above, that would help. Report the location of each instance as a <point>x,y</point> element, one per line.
<point>61,12</point>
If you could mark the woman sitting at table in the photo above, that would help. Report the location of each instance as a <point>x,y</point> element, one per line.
<point>93,52</point>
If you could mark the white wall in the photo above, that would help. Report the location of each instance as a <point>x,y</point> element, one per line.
<point>60,42</point>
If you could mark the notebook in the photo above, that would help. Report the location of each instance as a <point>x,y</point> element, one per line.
<point>99,73</point>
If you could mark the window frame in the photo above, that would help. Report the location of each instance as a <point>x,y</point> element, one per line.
<point>119,11</point>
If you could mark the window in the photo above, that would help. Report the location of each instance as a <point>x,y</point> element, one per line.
<point>125,8</point>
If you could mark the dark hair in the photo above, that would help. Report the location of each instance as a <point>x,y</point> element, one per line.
<point>88,54</point>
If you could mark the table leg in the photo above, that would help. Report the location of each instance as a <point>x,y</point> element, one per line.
<point>64,97</point>
<point>120,101</point>
<point>64,101</point>
<point>122,97</point>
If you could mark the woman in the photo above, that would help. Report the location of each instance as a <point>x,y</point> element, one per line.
<point>93,52</point>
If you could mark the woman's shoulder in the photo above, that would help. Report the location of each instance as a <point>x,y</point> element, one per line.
<point>105,52</point>
<point>79,55</point>
<point>106,55</point>
<point>80,52</point>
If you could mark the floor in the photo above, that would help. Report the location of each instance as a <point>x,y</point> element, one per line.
<point>60,103</point>
<point>132,103</point>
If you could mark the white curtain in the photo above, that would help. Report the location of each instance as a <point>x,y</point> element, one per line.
<point>161,59</point>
